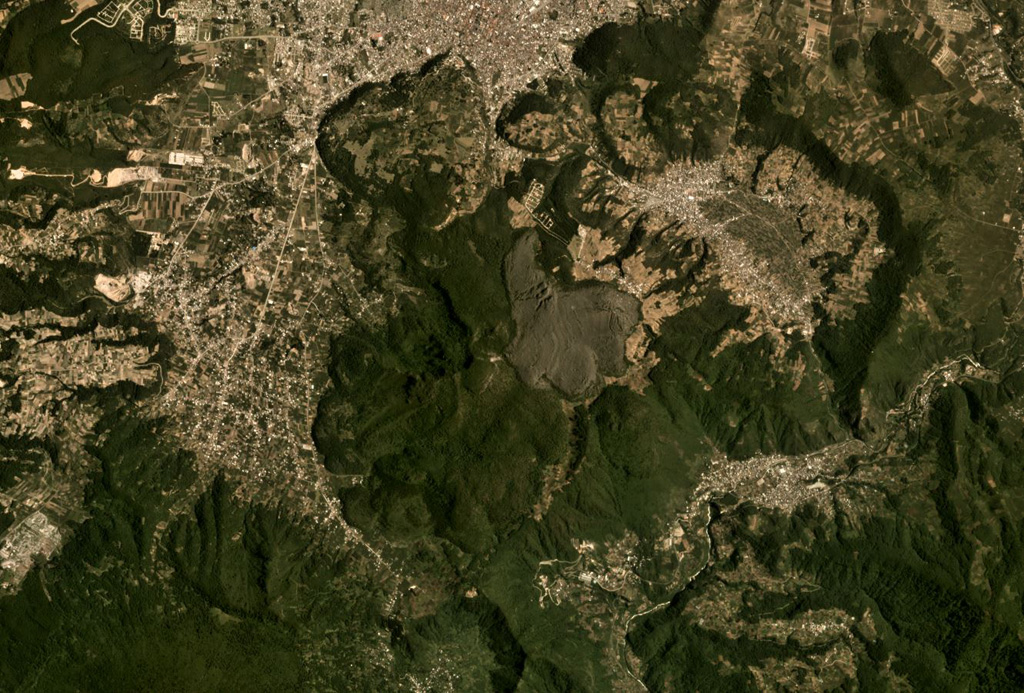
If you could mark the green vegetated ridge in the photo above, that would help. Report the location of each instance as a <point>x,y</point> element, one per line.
<point>98,618</point>
<point>37,42</point>
<point>456,447</point>
<point>941,623</point>
<point>477,480</point>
